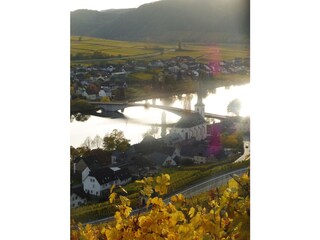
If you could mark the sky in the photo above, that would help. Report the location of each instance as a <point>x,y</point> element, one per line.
<point>106,4</point>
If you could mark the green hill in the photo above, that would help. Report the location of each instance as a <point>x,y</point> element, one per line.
<point>169,21</point>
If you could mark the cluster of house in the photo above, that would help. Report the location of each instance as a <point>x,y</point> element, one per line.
<point>185,143</point>
<point>191,140</point>
<point>96,179</point>
<point>95,82</point>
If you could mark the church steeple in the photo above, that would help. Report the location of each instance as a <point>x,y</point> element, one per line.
<point>199,107</point>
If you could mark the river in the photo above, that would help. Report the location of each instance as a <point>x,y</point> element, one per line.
<point>139,120</point>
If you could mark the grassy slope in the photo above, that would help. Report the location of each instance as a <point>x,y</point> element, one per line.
<point>112,47</point>
<point>204,53</point>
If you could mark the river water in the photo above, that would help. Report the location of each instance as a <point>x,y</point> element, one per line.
<point>139,120</point>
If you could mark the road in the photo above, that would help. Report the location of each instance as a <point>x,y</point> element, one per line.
<point>188,192</point>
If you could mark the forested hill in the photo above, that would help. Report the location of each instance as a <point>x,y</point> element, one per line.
<point>169,20</point>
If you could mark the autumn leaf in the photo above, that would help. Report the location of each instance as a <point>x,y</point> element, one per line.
<point>178,198</point>
<point>125,201</point>
<point>163,181</point>
<point>191,212</point>
<point>112,188</point>
<point>233,184</point>
<point>147,191</point>
<point>112,197</point>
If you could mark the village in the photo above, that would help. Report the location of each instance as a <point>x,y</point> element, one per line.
<point>191,141</point>
<point>109,81</point>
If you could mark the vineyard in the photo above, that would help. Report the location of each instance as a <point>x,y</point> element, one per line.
<point>221,214</point>
<point>95,48</point>
<point>180,178</point>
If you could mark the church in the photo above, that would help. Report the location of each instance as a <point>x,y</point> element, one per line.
<point>193,125</point>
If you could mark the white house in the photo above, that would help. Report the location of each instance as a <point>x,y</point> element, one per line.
<point>102,93</point>
<point>78,197</point>
<point>191,126</point>
<point>86,165</point>
<point>246,153</point>
<point>246,145</point>
<point>174,69</point>
<point>97,182</point>
<point>91,97</point>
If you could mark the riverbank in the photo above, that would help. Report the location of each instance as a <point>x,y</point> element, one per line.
<point>135,94</point>
<point>139,94</point>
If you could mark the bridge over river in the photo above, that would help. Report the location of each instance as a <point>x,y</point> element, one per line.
<point>116,106</point>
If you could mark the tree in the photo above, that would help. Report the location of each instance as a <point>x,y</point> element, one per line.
<point>97,141</point>
<point>234,106</point>
<point>74,153</point>
<point>105,99</point>
<point>234,140</point>
<point>115,141</point>
<point>102,156</point>
<point>82,150</point>
<point>79,117</point>
<point>80,105</point>
<point>87,143</point>
<point>93,89</point>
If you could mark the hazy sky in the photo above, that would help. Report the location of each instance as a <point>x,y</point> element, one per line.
<point>106,4</point>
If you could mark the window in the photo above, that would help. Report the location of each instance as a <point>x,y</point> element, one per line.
<point>97,193</point>
<point>92,185</point>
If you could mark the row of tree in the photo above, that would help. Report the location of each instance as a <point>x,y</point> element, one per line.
<point>110,142</point>
<point>101,148</point>
<point>94,55</point>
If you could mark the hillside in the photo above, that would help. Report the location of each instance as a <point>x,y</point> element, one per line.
<point>169,21</point>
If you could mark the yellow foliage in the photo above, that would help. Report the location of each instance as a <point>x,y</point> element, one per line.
<point>163,181</point>
<point>105,99</point>
<point>112,188</point>
<point>147,191</point>
<point>112,197</point>
<point>225,217</point>
<point>191,212</point>
<point>178,198</point>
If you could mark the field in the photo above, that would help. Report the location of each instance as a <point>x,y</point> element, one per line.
<point>88,45</point>
<point>116,50</point>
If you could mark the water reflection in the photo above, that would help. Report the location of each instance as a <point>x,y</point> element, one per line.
<point>135,122</point>
<point>112,115</point>
<point>153,131</point>
<point>169,100</point>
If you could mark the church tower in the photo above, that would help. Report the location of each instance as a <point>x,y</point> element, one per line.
<point>199,107</point>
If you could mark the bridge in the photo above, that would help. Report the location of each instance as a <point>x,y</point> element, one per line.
<point>116,106</point>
